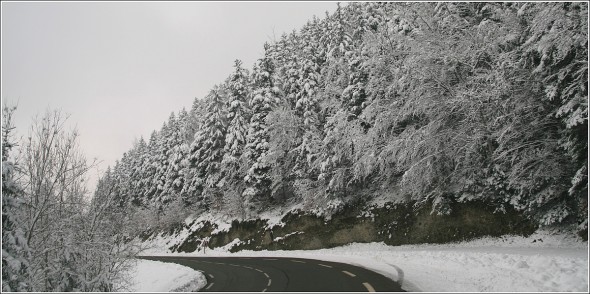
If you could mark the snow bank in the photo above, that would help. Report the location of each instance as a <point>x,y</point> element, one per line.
<point>155,276</point>
<point>543,262</point>
<point>459,268</point>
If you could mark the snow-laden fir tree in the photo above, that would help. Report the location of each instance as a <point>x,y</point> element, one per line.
<point>150,168</point>
<point>237,113</point>
<point>161,162</point>
<point>194,120</point>
<point>177,151</point>
<point>264,97</point>
<point>288,72</point>
<point>169,144</point>
<point>191,126</point>
<point>206,151</point>
<point>138,160</point>
<point>124,182</point>
<point>15,250</point>
<point>559,37</point>
<point>238,117</point>
<point>354,95</point>
<point>337,40</point>
<point>307,98</point>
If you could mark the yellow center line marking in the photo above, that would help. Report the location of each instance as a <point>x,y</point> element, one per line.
<point>297,261</point>
<point>324,265</point>
<point>349,273</point>
<point>369,287</point>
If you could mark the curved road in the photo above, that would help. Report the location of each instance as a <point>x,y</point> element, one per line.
<point>274,274</point>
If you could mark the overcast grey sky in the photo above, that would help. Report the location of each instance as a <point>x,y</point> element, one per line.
<point>120,69</point>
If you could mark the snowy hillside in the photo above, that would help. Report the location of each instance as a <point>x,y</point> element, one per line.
<point>430,103</point>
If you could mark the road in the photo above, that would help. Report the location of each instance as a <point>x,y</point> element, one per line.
<point>274,274</point>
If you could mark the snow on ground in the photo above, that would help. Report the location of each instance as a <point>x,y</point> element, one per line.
<point>155,276</point>
<point>547,261</point>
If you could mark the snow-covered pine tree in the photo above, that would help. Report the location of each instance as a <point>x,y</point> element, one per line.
<point>177,151</point>
<point>238,114</point>
<point>120,180</point>
<point>191,125</point>
<point>124,178</point>
<point>194,120</point>
<point>557,47</point>
<point>355,54</point>
<point>337,40</point>
<point>307,98</point>
<point>161,163</point>
<point>288,72</point>
<point>138,159</point>
<point>333,165</point>
<point>167,169</point>
<point>264,97</point>
<point>238,117</point>
<point>207,150</point>
<point>15,251</point>
<point>284,129</point>
<point>355,94</point>
<point>149,169</point>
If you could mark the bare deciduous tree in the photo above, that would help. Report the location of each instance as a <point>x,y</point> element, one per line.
<point>73,242</point>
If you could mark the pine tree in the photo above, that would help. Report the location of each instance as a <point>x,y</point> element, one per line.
<point>237,114</point>
<point>177,151</point>
<point>138,160</point>
<point>161,162</point>
<point>191,127</point>
<point>121,182</point>
<point>355,94</point>
<point>264,97</point>
<point>337,40</point>
<point>194,120</point>
<point>307,99</point>
<point>207,149</point>
<point>167,160</point>
<point>150,168</point>
<point>557,48</point>
<point>15,250</point>
<point>288,72</point>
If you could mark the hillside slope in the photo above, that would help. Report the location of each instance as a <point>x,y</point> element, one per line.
<point>437,107</point>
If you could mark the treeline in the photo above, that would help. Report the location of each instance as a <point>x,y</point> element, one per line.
<point>427,102</point>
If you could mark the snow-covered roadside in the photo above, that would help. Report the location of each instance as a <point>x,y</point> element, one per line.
<point>543,262</point>
<point>155,276</point>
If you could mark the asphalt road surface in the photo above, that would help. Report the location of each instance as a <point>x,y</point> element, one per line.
<point>274,274</point>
